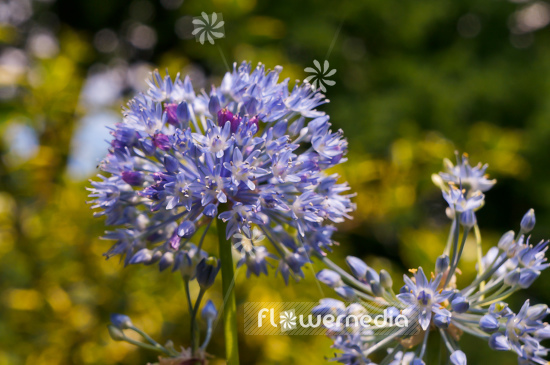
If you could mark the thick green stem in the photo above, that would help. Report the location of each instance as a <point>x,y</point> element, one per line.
<point>230,305</point>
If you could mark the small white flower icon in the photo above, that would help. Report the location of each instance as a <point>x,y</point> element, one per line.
<point>208,28</point>
<point>320,75</point>
<point>287,320</point>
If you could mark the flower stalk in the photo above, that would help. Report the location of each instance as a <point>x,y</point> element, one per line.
<point>228,289</point>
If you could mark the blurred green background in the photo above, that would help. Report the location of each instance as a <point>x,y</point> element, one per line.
<point>415,80</point>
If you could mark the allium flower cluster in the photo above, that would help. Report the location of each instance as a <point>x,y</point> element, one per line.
<point>249,152</point>
<point>439,305</point>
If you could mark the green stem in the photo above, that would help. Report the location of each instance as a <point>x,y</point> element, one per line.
<point>480,267</point>
<point>497,298</point>
<point>195,332</point>
<point>230,305</point>
<point>456,256</point>
<point>147,346</point>
<point>450,238</point>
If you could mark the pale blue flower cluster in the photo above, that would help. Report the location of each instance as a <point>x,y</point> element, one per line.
<point>249,152</point>
<point>438,305</point>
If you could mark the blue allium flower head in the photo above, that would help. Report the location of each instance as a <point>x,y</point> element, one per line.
<point>438,305</point>
<point>250,152</point>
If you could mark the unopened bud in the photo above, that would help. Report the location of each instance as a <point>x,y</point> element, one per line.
<point>376,288</point>
<point>207,270</point>
<point>385,279</point>
<point>528,221</point>
<point>115,333</point>
<point>442,264</point>
<point>506,241</point>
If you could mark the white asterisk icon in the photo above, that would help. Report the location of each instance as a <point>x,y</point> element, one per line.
<point>206,27</point>
<point>320,75</point>
<point>287,320</point>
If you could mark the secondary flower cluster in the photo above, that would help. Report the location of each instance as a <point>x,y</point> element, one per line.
<point>437,305</point>
<point>250,152</point>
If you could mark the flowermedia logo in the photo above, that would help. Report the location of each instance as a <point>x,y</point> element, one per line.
<point>305,318</point>
<point>208,28</point>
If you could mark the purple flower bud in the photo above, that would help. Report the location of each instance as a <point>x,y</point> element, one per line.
<point>385,279</point>
<point>224,115</point>
<point>372,275</point>
<point>460,304</point>
<point>537,312</point>
<point>442,264</point>
<point>186,229</point>
<point>254,120</point>
<point>376,288</point>
<point>133,178</point>
<point>142,256</point>
<point>121,321</point>
<point>442,321</point>
<point>214,105</point>
<point>528,221</point>
<point>211,210</point>
<point>512,278</point>
<point>171,113</point>
<point>506,241</point>
<point>345,292</point>
<point>209,312</point>
<point>357,266</point>
<point>527,277</point>
<point>418,361</point>
<point>499,342</point>
<point>458,358</point>
<point>175,241</point>
<point>184,262</point>
<point>176,113</point>
<point>162,141</point>
<point>182,112</point>
<point>207,270</point>
<point>330,278</point>
<point>543,333</point>
<point>166,261</point>
<point>235,121</point>
<point>489,323</point>
<point>156,257</point>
